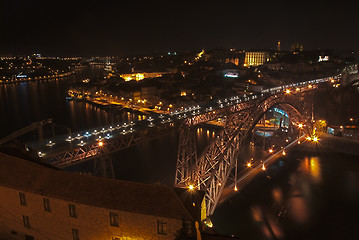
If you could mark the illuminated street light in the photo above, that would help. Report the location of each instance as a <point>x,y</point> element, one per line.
<point>249,164</point>
<point>300,125</point>
<point>287,91</point>
<point>270,150</point>
<point>100,143</point>
<point>263,167</point>
<point>284,153</point>
<point>191,187</point>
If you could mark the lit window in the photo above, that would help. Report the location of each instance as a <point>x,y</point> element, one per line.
<point>26,220</point>
<point>114,220</point>
<point>72,210</point>
<point>75,234</point>
<point>47,205</point>
<point>22,198</point>
<point>161,228</point>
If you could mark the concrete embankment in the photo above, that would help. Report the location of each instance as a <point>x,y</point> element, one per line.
<point>332,144</point>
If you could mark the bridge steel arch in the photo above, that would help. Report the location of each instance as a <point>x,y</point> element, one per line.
<point>213,169</point>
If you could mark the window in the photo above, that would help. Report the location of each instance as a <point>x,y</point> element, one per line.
<point>75,234</point>
<point>22,198</point>
<point>114,221</point>
<point>29,237</point>
<point>26,220</point>
<point>47,205</point>
<point>72,210</point>
<point>161,228</point>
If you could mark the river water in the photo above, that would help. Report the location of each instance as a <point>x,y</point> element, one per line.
<point>24,103</point>
<point>304,195</point>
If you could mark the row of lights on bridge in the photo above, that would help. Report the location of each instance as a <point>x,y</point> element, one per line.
<point>249,164</point>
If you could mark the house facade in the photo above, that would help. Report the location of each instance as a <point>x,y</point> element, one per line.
<point>42,203</point>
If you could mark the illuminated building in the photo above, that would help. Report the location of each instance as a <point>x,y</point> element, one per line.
<point>141,76</point>
<point>108,67</point>
<point>255,58</point>
<point>297,47</point>
<point>235,61</point>
<point>278,46</point>
<point>39,202</point>
<point>323,58</point>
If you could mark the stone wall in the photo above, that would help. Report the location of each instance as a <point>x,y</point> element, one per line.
<point>91,222</point>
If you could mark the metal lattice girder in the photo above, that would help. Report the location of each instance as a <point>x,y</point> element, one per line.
<point>87,152</point>
<point>103,166</point>
<point>214,166</point>
<point>187,155</point>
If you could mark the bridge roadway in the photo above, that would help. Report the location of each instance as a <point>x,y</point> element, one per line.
<point>81,146</point>
<point>245,176</point>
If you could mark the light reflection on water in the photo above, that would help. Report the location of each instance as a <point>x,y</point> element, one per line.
<point>24,103</point>
<point>312,168</point>
<point>309,196</point>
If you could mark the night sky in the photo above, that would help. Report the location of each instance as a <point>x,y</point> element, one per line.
<point>100,27</point>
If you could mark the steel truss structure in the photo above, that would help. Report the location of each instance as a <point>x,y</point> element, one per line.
<point>214,168</point>
<point>101,154</point>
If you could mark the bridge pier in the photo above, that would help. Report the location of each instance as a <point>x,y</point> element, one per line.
<point>187,156</point>
<point>103,166</point>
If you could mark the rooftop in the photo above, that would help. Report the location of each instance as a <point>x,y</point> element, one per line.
<point>150,199</point>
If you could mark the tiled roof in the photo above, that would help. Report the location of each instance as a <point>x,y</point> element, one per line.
<point>150,199</point>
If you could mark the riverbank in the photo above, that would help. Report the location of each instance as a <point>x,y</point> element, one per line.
<point>332,144</point>
<point>39,78</point>
<point>119,106</point>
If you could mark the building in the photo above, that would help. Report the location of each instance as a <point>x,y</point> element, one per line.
<point>296,47</point>
<point>149,93</point>
<point>39,202</point>
<point>234,60</point>
<point>344,131</point>
<point>256,58</point>
<point>142,75</point>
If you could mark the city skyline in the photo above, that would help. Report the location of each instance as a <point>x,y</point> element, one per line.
<point>104,28</point>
